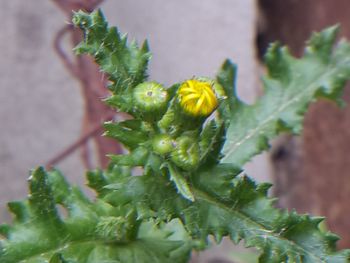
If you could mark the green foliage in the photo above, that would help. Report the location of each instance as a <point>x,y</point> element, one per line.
<point>90,232</point>
<point>290,85</point>
<point>125,65</point>
<point>192,185</point>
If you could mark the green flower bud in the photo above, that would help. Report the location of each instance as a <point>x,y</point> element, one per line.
<point>186,154</point>
<point>162,144</point>
<point>150,99</point>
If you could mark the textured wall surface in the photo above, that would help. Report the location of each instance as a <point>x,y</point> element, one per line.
<point>191,37</point>
<point>40,103</point>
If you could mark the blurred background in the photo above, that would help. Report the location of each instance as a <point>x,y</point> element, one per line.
<point>51,110</point>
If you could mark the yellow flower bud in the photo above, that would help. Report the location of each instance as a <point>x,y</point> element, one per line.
<point>197,97</point>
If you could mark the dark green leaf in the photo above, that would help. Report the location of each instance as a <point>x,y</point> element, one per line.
<point>125,64</point>
<point>227,203</point>
<point>86,232</point>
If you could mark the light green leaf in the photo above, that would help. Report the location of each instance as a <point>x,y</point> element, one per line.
<point>289,87</point>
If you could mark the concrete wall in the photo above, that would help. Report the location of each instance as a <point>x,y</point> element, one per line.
<point>40,104</point>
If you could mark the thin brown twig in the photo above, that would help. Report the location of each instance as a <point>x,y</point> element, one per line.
<point>93,88</point>
<point>62,54</point>
<point>69,64</point>
<point>74,146</point>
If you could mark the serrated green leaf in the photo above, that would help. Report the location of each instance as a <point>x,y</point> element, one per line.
<point>127,132</point>
<point>89,233</point>
<point>138,157</point>
<point>290,85</point>
<point>227,203</point>
<point>125,64</point>
<point>226,77</point>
